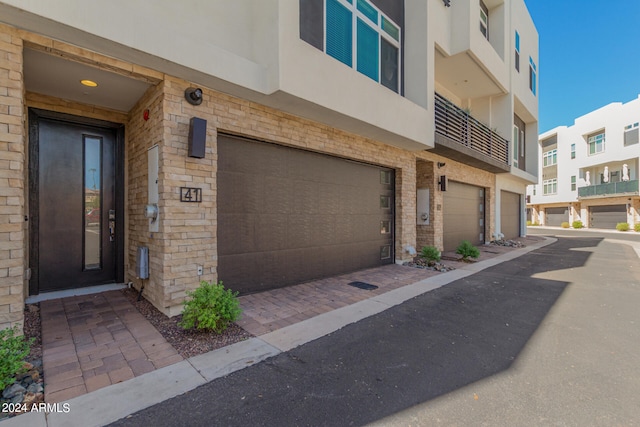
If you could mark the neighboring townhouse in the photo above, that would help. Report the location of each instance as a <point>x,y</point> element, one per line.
<point>263,143</point>
<point>589,171</point>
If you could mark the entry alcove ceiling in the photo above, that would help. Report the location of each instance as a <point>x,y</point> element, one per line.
<point>58,77</point>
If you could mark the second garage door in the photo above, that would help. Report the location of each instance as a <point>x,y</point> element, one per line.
<point>556,216</point>
<point>607,216</point>
<point>286,216</point>
<point>463,215</point>
<point>510,214</point>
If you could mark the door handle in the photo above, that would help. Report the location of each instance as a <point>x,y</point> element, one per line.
<point>112,225</point>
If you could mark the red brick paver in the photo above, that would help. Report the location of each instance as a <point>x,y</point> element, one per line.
<point>93,341</point>
<point>271,310</point>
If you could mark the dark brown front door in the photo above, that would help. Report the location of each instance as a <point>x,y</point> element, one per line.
<point>75,229</point>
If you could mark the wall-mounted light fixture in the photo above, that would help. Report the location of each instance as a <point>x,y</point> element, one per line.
<point>193,95</point>
<point>441,165</point>
<point>443,183</point>
<point>447,3</point>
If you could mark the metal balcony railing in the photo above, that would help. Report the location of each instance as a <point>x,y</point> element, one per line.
<point>458,125</point>
<point>610,188</point>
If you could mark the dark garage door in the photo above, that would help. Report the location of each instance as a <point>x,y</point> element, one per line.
<point>556,216</point>
<point>286,216</point>
<point>510,214</point>
<point>463,215</point>
<point>607,216</point>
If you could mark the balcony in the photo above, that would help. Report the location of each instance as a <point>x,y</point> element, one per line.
<point>461,137</point>
<point>622,188</point>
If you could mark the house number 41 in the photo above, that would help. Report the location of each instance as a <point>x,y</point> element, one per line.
<point>190,194</point>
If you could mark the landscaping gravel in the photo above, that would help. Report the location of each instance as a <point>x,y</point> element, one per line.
<point>188,343</point>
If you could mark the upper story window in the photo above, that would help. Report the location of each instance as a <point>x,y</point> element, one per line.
<point>550,186</point>
<point>573,151</point>
<point>596,143</point>
<point>533,76</point>
<point>484,20</point>
<point>359,35</point>
<point>517,58</point>
<point>573,183</point>
<point>631,134</point>
<point>550,158</point>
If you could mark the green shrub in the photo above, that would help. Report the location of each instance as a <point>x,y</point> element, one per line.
<point>210,307</point>
<point>13,350</point>
<point>430,253</point>
<point>532,224</point>
<point>636,227</point>
<point>529,223</point>
<point>577,224</point>
<point>466,249</point>
<point>565,224</point>
<point>622,226</point>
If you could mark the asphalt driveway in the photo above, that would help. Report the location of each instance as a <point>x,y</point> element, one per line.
<point>548,338</point>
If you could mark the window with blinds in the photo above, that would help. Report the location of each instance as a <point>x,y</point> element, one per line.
<point>361,36</point>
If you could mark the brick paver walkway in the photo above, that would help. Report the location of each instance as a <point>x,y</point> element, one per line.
<point>271,310</point>
<point>92,341</point>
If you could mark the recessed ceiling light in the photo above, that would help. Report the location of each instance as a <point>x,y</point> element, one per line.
<point>89,83</point>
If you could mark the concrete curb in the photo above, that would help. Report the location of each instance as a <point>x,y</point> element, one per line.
<point>116,401</point>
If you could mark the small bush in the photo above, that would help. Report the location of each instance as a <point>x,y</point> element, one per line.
<point>13,350</point>
<point>210,307</point>
<point>466,249</point>
<point>577,224</point>
<point>636,227</point>
<point>430,253</point>
<point>529,223</point>
<point>565,224</point>
<point>622,226</point>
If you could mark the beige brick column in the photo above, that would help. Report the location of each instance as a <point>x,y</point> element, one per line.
<point>426,178</point>
<point>12,180</point>
<point>405,209</point>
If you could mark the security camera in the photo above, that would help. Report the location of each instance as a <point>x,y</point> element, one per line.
<point>193,95</point>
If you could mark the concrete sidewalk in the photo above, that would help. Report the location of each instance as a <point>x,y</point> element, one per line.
<point>111,403</point>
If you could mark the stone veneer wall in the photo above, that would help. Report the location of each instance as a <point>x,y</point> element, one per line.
<point>140,136</point>
<point>13,248</point>
<point>188,230</point>
<point>427,177</point>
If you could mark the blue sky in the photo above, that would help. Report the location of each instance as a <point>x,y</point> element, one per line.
<point>589,56</point>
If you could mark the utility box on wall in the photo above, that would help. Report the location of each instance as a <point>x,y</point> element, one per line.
<point>142,262</point>
<point>152,189</point>
<point>422,207</point>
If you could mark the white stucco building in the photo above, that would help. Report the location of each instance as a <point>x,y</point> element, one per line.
<point>589,171</point>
